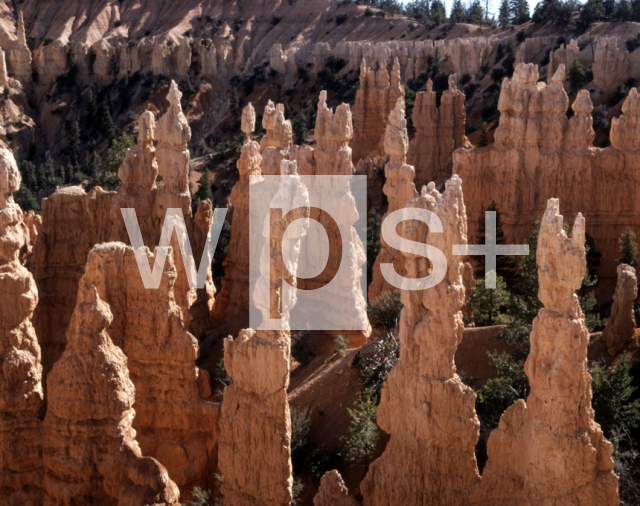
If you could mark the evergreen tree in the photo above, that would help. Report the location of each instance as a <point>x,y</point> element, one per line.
<point>438,13</point>
<point>613,396</point>
<point>204,190</point>
<point>475,14</point>
<point>74,145</point>
<point>519,12</point>
<point>577,76</point>
<point>591,12</point>
<point>457,14</point>
<point>362,435</point>
<point>623,11</point>
<point>509,60</point>
<point>31,151</point>
<point>628,248</point>
<point>28,172</point>
<point>487,306</point>
<point>300,129</point>
<point>25,199</point>
<point>108,126</point>
<point>505,264</point>
<point>504,14</point>
<point>287,110</point>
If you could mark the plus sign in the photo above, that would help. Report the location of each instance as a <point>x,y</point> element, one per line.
<point>490,250</point>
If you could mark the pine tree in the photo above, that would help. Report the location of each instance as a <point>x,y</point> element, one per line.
<point>486,306</point>
<point>204,190</point>
<point>25,199</point>
<point>108,125</point>
<point>438,13</point>
<point>504,15</point>
<point>300,129</point>
<point>457,14</point>
<point>519,12</point>
<point>74,145</point>
<point>475,14</point>
<point>576,75</point>
<point>628,248</point>
<point>362,435</point>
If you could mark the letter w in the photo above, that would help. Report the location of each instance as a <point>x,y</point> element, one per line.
<point>174,220</point>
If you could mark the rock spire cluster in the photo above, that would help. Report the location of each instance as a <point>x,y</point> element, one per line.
<point>439,130</point>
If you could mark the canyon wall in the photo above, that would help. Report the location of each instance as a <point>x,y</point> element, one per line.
<point>538,154</point>
<point>549,449</point>
<point>376,97</point>
<point>74,221</point>
<point>439,130</point>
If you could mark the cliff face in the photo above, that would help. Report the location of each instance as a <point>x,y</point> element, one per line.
<point>21,395</point>
<point>520,469</point>
<point>425,408</point>
<point>439,130</point>
<point>376,97</point>
<point>90,453</point>
<point>538,154</point>
<point>399,189</point>
<point>73,222</point>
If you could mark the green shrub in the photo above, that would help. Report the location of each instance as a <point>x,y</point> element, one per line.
<point>341,345</point>
<point>275,19</point>
<point>384,312</point>
<point>362,436</point>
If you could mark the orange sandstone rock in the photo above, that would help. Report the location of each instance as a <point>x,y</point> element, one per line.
<point>74,221</point>
<point>621,325</point>
<point>90,453</point>
<point>610,64</point>
<point>333,491</point>
<point>231,308</point>
<point>549,450</point>
<point>425,408</point>
<point>439,130</point>
<point>174,424</point>
<point>21,395</point>
<point>538,154</point>
<point>376,97</point>
<point>398,188</point>
<point>255,425</point>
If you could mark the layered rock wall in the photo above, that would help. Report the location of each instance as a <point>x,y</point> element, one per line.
<point>538,154</point>
<point>376,97</point>
<point>439,130</point>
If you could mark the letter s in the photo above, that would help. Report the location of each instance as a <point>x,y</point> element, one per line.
<point>437,258</point>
